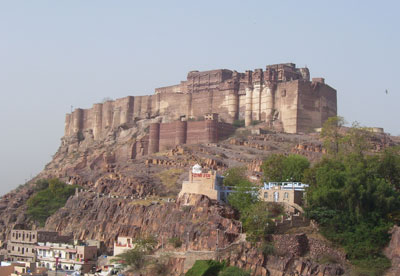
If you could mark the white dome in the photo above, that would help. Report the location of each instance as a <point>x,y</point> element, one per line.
<point>196,169</point>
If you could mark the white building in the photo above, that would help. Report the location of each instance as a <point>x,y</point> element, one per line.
<point>123,244</point>
<point>297,186</point>
<point>66,257</point>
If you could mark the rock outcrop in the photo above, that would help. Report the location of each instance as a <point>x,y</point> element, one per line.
<point>393,252</point>
<point>105,218</point>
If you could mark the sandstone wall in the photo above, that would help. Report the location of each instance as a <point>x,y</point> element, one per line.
<point>168,135</point>
<point>281,95</point>
<point>316,103</point>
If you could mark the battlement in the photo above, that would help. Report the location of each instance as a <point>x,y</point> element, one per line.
<point>223,79</point>
<point>282,95</point>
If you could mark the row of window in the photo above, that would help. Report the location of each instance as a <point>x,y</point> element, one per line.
<point>19,235</point>
<point>276,195</point>
<point>23,250</point>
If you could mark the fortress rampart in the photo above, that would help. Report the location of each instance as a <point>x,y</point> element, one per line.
<point>169,135</point>
<point>281,95</point>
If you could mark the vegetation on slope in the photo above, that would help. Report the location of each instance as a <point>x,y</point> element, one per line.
<point>214,268</point>
<point>281,168</point>
<point>135,259</point>
<point>255,215</point>
<point>170,180</point>
<point>51,195</point>
<point>354,196</point>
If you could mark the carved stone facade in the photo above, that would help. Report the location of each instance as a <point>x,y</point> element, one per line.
<point>281,95</point>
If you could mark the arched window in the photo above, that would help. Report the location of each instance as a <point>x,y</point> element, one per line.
<point>286,195</point>
<point>265,194</point>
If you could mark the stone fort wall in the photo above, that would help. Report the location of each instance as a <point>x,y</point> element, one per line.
<point>281,95</point>
<point>169,135</point>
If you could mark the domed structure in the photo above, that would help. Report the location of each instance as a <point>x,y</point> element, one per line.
<point>197,169</point>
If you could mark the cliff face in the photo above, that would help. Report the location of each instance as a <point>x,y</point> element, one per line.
<point>12,210</point>
<point>90,217</point>
<point>194,220</point>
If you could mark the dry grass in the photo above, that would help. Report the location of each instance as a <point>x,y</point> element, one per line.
<point>169,179</point>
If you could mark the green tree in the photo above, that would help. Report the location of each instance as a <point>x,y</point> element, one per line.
<point>272,168</point>
<point>356,140</point>
<point>332,135</point>
<point>353,200</point>
<point>294,166</point>
<point>389,166</point>
<point>257,223</point>
<point>135,259</point>
<point>235,176</point>
<point>245,195</point>
<point>280,168</point>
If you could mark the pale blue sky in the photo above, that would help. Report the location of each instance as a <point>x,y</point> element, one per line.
<point>54,54</point>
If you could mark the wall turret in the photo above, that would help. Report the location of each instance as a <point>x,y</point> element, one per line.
<point>97,120</point>
<point>154,138</point>
<point>180,132</point>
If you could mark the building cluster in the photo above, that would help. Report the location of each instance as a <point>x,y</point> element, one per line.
<point>209,183</point>
<point>43,253</point>
<point>49,251</point>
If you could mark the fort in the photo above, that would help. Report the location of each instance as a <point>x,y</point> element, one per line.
<point>282,96</point>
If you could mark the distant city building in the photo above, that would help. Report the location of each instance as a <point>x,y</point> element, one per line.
<point>21,269</point>
<point>21,246</point>
<point>289,193</point>
<point>297,186</point>
<point>66,257</point>
<point>122,245</point>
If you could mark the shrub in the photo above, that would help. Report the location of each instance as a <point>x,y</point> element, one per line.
<point>268,248</point>
<point>206,268</point>
<point>47,201</point>
<point>280,168</point>
<point>353,199</point>
<point>235,175</point>
<point>233,271</point>
<point>41,184</point>
<point>255,122</point>
<point>135,259</point>
<point>175,241</point>
<point>238,123</point>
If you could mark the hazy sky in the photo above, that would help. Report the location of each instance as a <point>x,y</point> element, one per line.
<point>54,54</point>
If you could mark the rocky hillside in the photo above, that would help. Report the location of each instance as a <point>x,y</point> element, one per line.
<point>136,197</point>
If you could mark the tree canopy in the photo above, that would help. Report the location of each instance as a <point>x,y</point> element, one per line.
<point>281,168</point>
<point>354,196</point>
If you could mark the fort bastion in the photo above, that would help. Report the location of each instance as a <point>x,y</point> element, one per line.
<point>282,95</point>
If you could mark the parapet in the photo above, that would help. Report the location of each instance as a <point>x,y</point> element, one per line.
<point>318,80</point>
<point>222,79</point>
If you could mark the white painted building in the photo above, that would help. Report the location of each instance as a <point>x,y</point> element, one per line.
<point>123,244</point>
<point>66,257</point>
<point>297,186</point>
